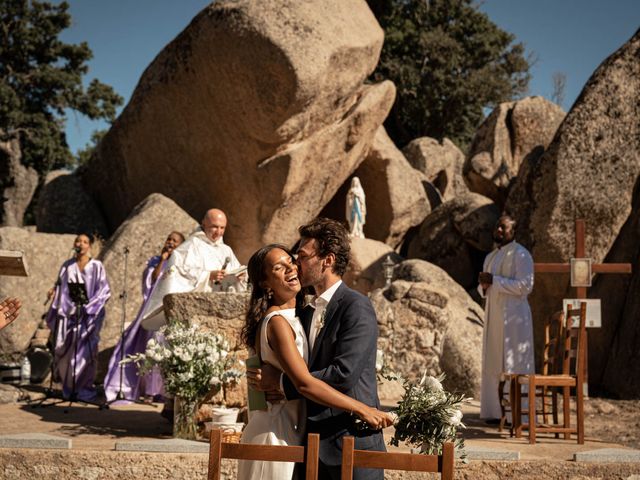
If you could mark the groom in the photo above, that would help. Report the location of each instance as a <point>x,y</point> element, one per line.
<point>342,331</point>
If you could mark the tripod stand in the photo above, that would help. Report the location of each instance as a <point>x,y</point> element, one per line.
<point>78,295</point>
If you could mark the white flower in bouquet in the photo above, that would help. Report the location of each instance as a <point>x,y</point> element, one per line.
<point>432,383</point>
<point>192,361</point>
<point>428,416</point>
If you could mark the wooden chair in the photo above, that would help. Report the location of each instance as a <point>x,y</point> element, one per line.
<point>572,377</point>
<point>270,453</point>
<point>351,458</point>
<point>551,365</point>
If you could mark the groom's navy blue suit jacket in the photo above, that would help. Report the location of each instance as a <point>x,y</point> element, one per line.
<point>344,356</point>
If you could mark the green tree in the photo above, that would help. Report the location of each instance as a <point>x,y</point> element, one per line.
<point>449,61</point>
<point>41,79</point>
<point>85,154</point>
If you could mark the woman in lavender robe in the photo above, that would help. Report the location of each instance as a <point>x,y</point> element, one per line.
<point>78,330</point>
<point>135,338</point>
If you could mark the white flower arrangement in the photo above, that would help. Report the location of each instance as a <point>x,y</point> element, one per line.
<point>192,362</point>
<point>428,416</point>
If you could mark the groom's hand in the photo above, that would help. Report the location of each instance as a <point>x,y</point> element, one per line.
<point>265,379</point>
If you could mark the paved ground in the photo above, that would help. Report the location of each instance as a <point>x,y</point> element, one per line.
<point>95,432</point>
<point>91,428</point>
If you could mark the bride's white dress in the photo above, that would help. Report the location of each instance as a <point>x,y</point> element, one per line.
<point>283,423</point>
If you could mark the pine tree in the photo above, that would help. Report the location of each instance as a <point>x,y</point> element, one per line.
<point>449,61</point>
<point>40,78</point>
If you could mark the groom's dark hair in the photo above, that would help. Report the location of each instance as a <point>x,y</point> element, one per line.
<point>331,237</point>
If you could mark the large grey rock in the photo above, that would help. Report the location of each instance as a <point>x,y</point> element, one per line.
<point>513,133</point>
<point>259,108</point>
<point>395,198</point>
<point>612,348</point>
<point>591,171</point>
<point>64,206</point>
<point>17,184</point>
<point>456,236</point>
<point>45,253</point>
<point>143,234</point>
<point>365,271</point>
<point>441,163</point>
<point>428,323</point>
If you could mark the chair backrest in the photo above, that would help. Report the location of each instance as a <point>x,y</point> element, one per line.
<point>269,453</point>
<point>575,339</point>
<point>553,344</point>
<point>352,458</point>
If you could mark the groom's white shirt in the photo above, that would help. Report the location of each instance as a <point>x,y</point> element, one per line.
<point>319,304</point>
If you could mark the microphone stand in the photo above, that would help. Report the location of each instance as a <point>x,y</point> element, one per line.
<point>120,395</point>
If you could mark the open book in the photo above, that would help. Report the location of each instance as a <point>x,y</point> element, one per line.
<point>257,400</point>
<point>236,271</point>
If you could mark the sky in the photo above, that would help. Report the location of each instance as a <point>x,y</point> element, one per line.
<point>571,37</point>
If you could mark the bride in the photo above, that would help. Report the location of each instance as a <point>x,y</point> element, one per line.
<point>276,334</point>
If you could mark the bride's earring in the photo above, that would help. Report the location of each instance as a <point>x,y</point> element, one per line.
<point>269,294</point>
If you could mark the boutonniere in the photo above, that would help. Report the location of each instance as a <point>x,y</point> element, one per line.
<point>320,324</point>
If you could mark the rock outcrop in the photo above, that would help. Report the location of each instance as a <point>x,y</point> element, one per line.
<point>258,108</point>
<point>441,163</point>
<point>515,132</point>
<point>143,235</point>
<point>65,207</point>
<point>590,171</point>
<point>365,272</point>
<point>428,323</point>
<point>613,365</point>
<point>456,236</point>
<point>44,254</point>
<point>17,184</point>
<point>395,197</point>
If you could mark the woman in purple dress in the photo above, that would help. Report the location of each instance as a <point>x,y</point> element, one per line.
<point>76,317</point>
<point>135,338</point>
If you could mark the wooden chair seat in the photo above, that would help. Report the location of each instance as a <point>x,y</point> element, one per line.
<point>351,458</point>
<point>269,453</point>
<point>559,380</point>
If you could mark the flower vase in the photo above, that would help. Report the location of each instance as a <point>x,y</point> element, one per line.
<point>184,418</point>
<point>224,415</point>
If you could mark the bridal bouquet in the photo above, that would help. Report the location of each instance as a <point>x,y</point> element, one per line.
<point>429,416</point>
<point>192,362</point>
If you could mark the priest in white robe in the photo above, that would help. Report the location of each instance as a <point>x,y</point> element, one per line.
<point>505,283</point>
<point>203,263</point>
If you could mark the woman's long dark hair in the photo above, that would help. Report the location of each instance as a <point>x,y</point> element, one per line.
<point>259,302</point>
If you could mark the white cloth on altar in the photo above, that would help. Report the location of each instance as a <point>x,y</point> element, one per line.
<point>282,423</point>
<point>507,344</point>
<point>188,270</point>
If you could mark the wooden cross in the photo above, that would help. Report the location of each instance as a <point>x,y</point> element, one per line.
<point>581,292</point>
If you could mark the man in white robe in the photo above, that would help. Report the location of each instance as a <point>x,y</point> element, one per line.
<point>505,283</point>
<point>199,264</point>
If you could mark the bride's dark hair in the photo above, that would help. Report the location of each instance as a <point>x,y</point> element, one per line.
<point>259,302</point>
